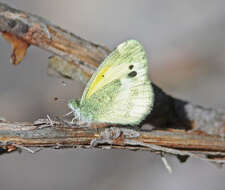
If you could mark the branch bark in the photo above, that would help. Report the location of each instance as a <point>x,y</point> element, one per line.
<point>179,127</point>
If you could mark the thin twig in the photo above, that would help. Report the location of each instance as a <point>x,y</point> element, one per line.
<point>166,164</point>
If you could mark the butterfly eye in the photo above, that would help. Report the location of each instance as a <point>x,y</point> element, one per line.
<point>132,74</point>
<point>131,67</point>
<point>103,75</point>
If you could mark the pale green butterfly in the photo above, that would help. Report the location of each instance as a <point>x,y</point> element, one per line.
<point>119,92</point>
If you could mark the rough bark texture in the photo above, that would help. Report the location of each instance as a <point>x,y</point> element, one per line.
<point>179,127</point>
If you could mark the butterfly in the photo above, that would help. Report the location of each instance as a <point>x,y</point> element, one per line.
<point>119,92</point>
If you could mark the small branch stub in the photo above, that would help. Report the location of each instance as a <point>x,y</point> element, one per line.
<point>19,47</point>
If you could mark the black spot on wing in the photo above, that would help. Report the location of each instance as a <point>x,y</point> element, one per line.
<point>132,74</point>
<point>131,67</point>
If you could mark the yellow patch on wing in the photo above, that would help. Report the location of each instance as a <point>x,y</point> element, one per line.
<point>97,79</point>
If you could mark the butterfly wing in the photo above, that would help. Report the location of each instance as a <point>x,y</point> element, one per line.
<point>119,91</point>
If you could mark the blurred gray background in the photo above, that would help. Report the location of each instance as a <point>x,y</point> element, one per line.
<point>185,42</point>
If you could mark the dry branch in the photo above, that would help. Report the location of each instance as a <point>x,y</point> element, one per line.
<point>180,127</point>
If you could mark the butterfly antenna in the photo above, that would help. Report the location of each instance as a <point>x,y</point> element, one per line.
<point>61,100</point>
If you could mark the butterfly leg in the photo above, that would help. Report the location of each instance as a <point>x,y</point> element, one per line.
<point>72,121</point>
<point>75,118</point>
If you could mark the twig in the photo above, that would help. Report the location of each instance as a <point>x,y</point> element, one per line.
<point>27,149</point>
<point>42,134</point>
<point>180,128</point>
<point>166,164</point>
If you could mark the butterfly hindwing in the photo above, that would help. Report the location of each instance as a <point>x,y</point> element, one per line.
<point>120,91</point>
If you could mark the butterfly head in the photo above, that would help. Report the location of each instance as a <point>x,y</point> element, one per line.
<point>74,105</point>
